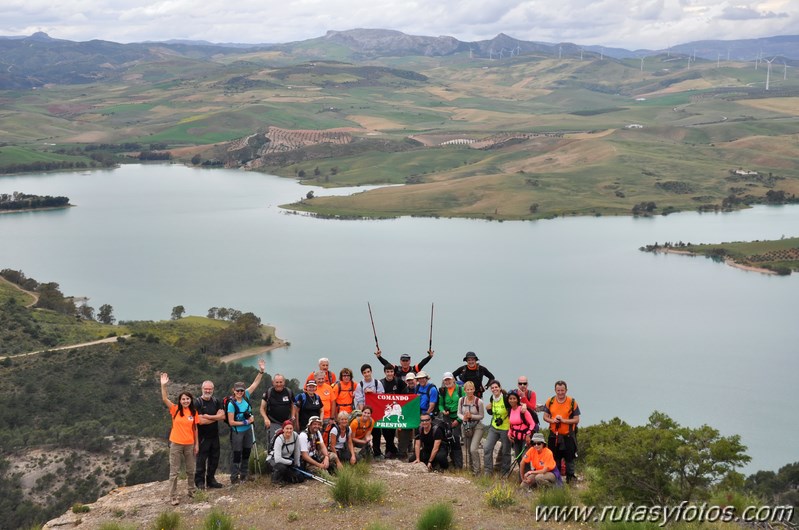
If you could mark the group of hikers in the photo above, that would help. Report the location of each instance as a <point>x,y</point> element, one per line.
<point>329,425</point>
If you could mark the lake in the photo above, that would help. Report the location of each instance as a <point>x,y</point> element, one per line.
<point>573,299</point>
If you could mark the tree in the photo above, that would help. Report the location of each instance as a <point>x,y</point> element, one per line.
<point>301,173</point>
<point>212,312</point>
<point>222,313</point>
<point>309,195</point>
<point>658,463</point>
<point>196,159</point>
<point>86,312</point>
<point>177,312</point>
<point>106,314</point>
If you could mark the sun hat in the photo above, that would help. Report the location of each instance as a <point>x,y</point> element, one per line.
<point>410,377</point>
<point>538,438</point>
<point>422,375</point>
<point>470,355</point>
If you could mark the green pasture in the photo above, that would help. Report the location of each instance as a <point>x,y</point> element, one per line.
<point>71,330</point>
<point>744,249</point>
<point>8,291</point>
<point>388,168</point>
<point>11,155</point>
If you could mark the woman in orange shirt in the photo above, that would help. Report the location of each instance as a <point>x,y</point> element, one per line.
<point>184,443</point>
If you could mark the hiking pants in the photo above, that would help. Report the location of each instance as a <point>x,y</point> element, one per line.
<point>455,451</point>
<point>388,435</point>
<point>471,443</point>
<point>207,461</point>
<point>564,447</point>
<point>285,474</point>
<point>439,462</point>
<point>406,448</point>
<point>241,444</point>
<point>495,435</point>
<point>181,453</point>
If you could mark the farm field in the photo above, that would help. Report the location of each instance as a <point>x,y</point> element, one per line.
<point>523,138</point>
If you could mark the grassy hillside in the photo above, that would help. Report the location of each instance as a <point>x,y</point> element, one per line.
<point>781,256</point>
<point>23,329</point>
<point>691,124</point>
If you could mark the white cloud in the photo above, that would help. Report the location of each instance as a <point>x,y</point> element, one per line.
<point>627,23</point>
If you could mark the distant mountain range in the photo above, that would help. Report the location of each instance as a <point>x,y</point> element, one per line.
<point>31,61</point>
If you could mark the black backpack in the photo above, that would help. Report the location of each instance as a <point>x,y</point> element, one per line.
<point>236,410</point>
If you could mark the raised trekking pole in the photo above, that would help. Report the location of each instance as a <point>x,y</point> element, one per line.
<point>315,477</point>
<point>430,344</point>
<point>373,324</point>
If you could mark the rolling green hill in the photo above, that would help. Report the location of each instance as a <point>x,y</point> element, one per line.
<point>521,137</point>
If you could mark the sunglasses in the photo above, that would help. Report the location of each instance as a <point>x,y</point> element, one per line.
<point>239,390</point>
<point>521,384</point>
<point>538,443</point>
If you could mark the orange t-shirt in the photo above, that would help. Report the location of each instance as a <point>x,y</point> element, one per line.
<point>325,393</point>
<point>561,409</point>
<point>182,426</point>
<point>539,461</point>
<point>361,431</point>
<point>343,396</point>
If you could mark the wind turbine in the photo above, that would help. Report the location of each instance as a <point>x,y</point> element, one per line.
<point>491,54</point>
<point>501,51</point>
<point>718,60</point>
<point>601,53</point>
<point>642,64</point>
<point>581,54</point>
<point>518,50</point>
<point>471,53</point>
<point>784,71</point>
<point>768,70</point>
<point>560,52</point>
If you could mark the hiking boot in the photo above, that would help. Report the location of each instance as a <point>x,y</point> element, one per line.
<point>175,501</point>
<point>199,486</point>
<point>234,479</point>
<point>215,485</point>
<point>379,457</point>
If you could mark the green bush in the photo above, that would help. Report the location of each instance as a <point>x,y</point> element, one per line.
<point>438,516</point>
<point>351,487</point>
<point>167,521</point>
<point>115,526</point>
<point>556,497</point>
<point>217,520</point>
<point>80,508</point>
<point>500,496</point>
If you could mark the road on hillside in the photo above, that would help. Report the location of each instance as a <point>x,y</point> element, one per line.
<point>68,347</point>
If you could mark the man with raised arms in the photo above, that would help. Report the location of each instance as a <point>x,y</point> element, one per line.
<point>404,368</point>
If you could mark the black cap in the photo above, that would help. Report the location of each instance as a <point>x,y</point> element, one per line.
<point>470,355</point>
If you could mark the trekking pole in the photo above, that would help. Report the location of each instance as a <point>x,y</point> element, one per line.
<point>430,345</point>
<point>315,477</point>
<point>513,464</point>
<point>373,324</point>
<point>255,445</point>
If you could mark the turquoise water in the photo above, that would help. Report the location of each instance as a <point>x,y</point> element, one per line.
<point>569,299</point>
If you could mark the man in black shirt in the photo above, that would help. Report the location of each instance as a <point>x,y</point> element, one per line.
<point>277,406</point>
<point>404,368</point>
<point>391,385</point>
<point>430,449</point>
<point>209,413</point>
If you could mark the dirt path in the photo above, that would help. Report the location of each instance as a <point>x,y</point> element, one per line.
<point>29,293</point>
<point>68,347</point>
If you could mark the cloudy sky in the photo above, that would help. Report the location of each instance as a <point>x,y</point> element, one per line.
<point>631,24</point>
